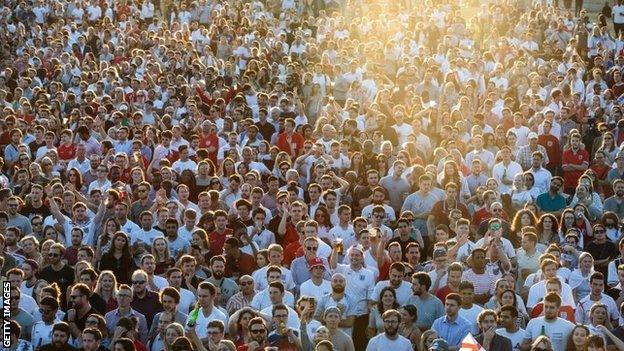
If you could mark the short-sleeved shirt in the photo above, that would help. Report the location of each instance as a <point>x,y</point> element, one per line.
<point>558,331</point>
<point>570,178</point>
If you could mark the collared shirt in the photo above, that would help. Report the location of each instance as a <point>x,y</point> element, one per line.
<point>300,269</point>
<point>238,302</point>
<point>114,316</point>
<point>451,331</point>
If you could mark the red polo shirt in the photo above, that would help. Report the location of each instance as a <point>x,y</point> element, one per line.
<point>570,178</point>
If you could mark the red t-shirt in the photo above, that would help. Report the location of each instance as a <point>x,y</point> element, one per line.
<point>565,312</point>
<point>297,141</point>
<point>66,152</point>
<point>217,240</point>
<point>553,150</point>
<point>570,178</point>
<point>443,292</point>
<point>290,252</point>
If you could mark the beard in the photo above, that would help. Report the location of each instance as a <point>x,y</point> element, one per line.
<point>217,275</point>
<point>338,289</point>
<point>619,193</point>
<point>391,331</point>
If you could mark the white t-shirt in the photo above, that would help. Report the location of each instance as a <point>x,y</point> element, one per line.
<point>403,293</point>
<point>202,321</point>
<point>471,316</point>
<point>538,291</point>
<point>558,331</point>
<point>179,166</point>
<point>382,343</point>
<point>515,338</point>
<point>259,276</point>
<point>618,14</point>
<point>308,288</point>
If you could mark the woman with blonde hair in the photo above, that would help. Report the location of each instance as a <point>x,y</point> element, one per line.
<point>162,255</point>
<point>106,288</point>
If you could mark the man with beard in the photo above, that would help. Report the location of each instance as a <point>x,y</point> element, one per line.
<point>403,289</point>
<point>79,219</point>
<point>143,203</point>
<point>360,284</point>
<point>429,307</point>
<point>15,219</point>
<point>58,271</point>
<point>244,297</point>
<point>228,286</point>
<point>553,202</point>
<point>557,329</point>
<point>397,187</point>
<point>614,203</point>
<point>60,339</point>
<point>488,337</point>
<point>121,215</point>
<point>42,330</point>
<point>30,269</point>
<point>92,340</point>
<point>337,298</point>
<point>177,245</point>
<point>142,239</point>
<point>144,301</point>
<point>258,332</point>
<point>390,339</point>
<point>81,309</point>
<point>340,339</point>
<point>452,327</point>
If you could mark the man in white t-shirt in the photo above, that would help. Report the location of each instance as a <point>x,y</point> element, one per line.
<point>557,329</point>
<point>469,311</point>
<point>184,162</point>
<point>402,288</point>
<point>596,295</point>
<point>507,318</point>
<point>390,339</point>
<point>538,290</point>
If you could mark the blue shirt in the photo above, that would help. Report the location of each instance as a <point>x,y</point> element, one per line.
<point>453,332</point>
<point>548,204</point>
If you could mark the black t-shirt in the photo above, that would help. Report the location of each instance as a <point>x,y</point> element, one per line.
<point>64,278</point>
<point>51,347</point>
<point>29,211</point>
<point>82,321</point>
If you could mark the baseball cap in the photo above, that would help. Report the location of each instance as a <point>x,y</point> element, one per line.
<point>532,135</point>
<point>316,262</point>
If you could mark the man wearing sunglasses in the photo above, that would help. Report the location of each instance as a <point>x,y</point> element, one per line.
<point>58,272</point>
<point>77,316</point>
<point>42,330</point>
<point>258,331</point>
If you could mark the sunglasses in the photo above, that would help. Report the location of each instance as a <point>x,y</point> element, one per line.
<point>138,282</point>
<point>311,248</point>
<point>257,331</point>
<point>52,254</point>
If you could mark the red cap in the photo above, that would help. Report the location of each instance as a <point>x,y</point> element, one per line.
<point>316,262</point>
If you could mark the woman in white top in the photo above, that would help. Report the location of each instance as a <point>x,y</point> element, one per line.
<point>579,279</point>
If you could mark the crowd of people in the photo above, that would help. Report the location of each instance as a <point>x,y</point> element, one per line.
<point>312,175</point>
